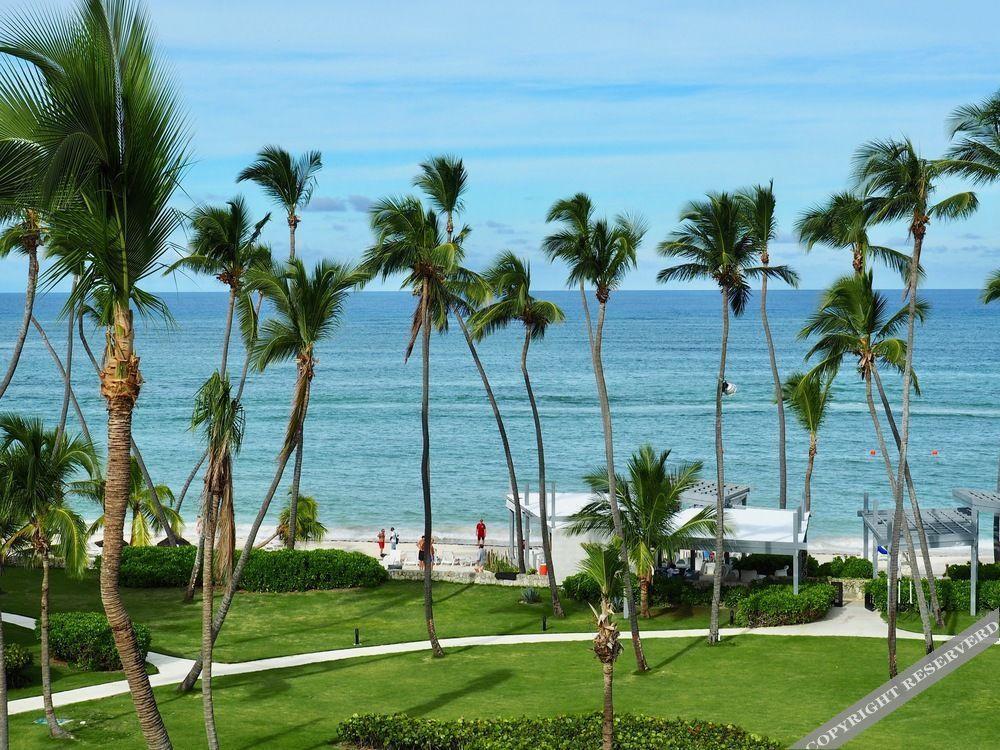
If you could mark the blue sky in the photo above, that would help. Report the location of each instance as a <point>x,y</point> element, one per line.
<point>642,105</point>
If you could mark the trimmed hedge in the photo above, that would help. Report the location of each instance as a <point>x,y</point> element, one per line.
<point>84,640</point>
<point>777,605</point>
<point>987,572</point>
<point>16,660</point>
<point>305,570</point>
<point>954,596</point>
<point>402,732</point>
<point>278,570</point>
<point>846,567</point>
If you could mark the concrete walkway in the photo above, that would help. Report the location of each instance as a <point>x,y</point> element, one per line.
<point>850,621</point>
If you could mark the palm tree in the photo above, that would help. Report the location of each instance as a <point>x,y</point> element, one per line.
<point>24,236</point>
<point>408,240</point>
<point>510,279</point>
<point>603,565</point>
<point>600,254</point>
<point>808,396</point>
<point>224,244</point>
<point>650,499</point>
<point>842,222</point>
<point>286,181</point>
<point>35,465</point>
<point>103,120</point>
<point>976,153</point>
<point>854,320</point>
<point>443,180</point>
<point>716,244</point>
<point>758,205</point>
<point>308,309</point>
<point>309,527</point>
<point>145,519</point>
<point>221,417</point>
<point>899,184</point>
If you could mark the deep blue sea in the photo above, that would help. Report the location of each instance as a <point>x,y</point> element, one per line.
<point>363,433</point>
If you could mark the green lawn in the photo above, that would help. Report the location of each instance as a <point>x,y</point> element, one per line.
<point>64,677</point>
<point>954,622</point>
<point>264,625</point>
<point>779,686</point>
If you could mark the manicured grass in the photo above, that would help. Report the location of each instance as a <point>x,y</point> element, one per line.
<point>263,625</point>
<point>779,686</point>
<point>64,677</point>
<point>954,622</point>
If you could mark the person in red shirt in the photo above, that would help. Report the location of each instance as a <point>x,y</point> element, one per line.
<point>480,531</point>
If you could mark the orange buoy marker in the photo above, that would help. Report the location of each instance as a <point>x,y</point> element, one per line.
<point>934,452</point>
<point>871,452</point>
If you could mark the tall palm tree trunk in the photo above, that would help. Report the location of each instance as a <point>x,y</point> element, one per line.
<point>425,477</point>
<point>713,629</point>
<point>68,375</point>
<point>293,221</point>
<point>62,374</point>
<point>196,570</point>
<point>228,331</point>
<point>293,492</point>
<point>120,382</point>
<point>190,479</point>
<point>807,492</point>
<point>518,524</point>
<point>917,229</point>
<point>29,305</point>
<point>609,455</point>
<point>917,518</point>
<point>50,715</point>
<point>207,599</point>
<point>782,463</point>
<point>4,721</point>
<point>586,317</point>
<point>901,527</point>
<point>301,396</point>
<point>608,722</point>
<point>543,516</point>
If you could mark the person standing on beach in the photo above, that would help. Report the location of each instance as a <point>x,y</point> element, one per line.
<point>381,543</point>
<point>480,558</point>
<point>421,552</point>
<point>480,532</point>
<point>393,538</point>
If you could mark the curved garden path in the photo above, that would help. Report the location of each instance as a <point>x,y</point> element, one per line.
<point>850,621</point>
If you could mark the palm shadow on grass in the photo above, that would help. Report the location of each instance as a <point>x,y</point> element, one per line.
<point>484,682</point>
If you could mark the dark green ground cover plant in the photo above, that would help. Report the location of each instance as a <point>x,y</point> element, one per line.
<point>84,640</point>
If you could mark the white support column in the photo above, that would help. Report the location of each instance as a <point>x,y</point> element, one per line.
<point>795,572</point>
<point>512,546</point>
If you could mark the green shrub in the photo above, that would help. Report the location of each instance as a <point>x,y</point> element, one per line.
<point>278,570</point>
<point>987,572</point>
<point>954,596</point>
<point>84,640</point>
<point>530,596</point>
<point>777,605</point>
<point>16,660</point>
<point>499,563</point>
<point>678,591</point>
<point>581,587</point>
<point>768,565</point>
<point>305,570</point>
<point>846,567</point>
<point>403,732</point>
<point>156,567</point>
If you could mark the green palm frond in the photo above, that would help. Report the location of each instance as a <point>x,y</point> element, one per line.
<point>510,278</point>
<point>991,292</point>
<point>808,395</point>
<point>285,180</point>
<point>443,179</point>
<point>602,563</point>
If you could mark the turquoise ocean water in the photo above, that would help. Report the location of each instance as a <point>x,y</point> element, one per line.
<point>363,434</point>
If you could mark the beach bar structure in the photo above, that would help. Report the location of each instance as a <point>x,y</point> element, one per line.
<point>749,530</point>
<point>945,527</point>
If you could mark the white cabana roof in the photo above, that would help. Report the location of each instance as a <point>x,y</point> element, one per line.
<point>747,529</point>
<point>985,501</point>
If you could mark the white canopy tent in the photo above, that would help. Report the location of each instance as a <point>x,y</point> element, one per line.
<point>748,530</point>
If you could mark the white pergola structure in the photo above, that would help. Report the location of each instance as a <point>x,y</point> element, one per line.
<point>748,530</point>
<point>706,493</point>
<point>945,527</point>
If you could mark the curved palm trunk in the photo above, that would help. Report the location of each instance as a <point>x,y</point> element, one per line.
<point>518,524</point>
<point>50,715</point>
<point>917,518</point>
<point>616,515</point>
<point>227,333</point>
<point>154,495</point>
<point>782,464</point>
<point>62,374</point>
<point>207,599</point>
<point>120,381</point>
<point>190,480</point>
<point>809,472</point>
<point>425,477</point>
<point>68,376</point>
<point>300,403</point>
<point>713,630</point>
<point>29,304</point>
<point>901,529</point>
<point>293,492</point>
<point>557,609</point>
<point>586,317</point>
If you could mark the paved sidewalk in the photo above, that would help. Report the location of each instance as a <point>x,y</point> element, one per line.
<point>850,621</point>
